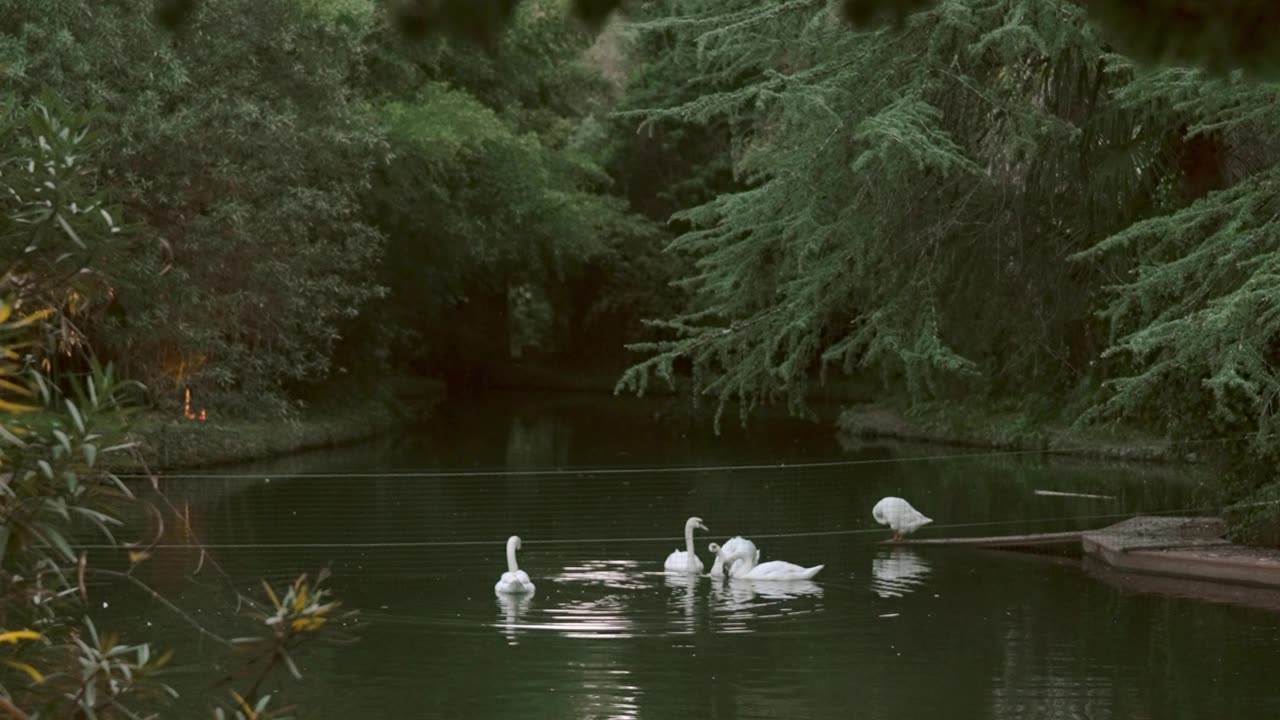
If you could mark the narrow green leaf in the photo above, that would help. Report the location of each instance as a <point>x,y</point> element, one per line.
<point>56,539</point>
<point>76,416</point>
<point>70,231</point>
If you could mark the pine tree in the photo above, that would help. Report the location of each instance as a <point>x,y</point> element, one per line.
<point>909,196</point>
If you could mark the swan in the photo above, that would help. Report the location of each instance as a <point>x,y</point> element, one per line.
<point>744,566</point>
<point>514,581</point>
<point>733,546</point>
<point>900,516</point>
<point>686,561</point>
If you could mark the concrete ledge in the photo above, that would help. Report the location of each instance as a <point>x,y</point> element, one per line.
<point>1242,595</point>
<point>1000,541</point>
<point>1185,547</point>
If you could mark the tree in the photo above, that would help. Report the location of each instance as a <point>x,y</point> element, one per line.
<point>240,164</point>
<point>58,437</point>
<point>910,198</point>
<point>498,213</point>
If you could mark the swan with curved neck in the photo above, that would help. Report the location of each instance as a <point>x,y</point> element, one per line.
<point>899,516</point>
<point>743,565</point>
<point>732,547</point>
<point>514,581</point>
<point>686,561</point>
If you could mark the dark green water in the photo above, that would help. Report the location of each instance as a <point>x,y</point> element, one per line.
<point>881,633</point>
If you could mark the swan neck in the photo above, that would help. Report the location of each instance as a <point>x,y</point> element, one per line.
<point>688,539</point>
<point>511,555</point>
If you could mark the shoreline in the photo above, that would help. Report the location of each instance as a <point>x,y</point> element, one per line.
<point>1003,431</point>
<point>167,443</point>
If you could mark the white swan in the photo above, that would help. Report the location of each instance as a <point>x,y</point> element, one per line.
<point>733,546</point>
<point>686,561</point>
<point>744,566</point>
<point>514,581</point>
<point>900,516</point>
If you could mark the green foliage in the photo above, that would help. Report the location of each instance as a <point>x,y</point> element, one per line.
<point>1192,318</point>
<point>1212,34</point>
<point>54,224</point>
<point>910,197</point>
<point>240,161</point>
<point>981,202</point>
<point>58,438</point>
<point>502,234</point>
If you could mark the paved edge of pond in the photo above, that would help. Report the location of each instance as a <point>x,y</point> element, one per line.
<point>1184,547</point>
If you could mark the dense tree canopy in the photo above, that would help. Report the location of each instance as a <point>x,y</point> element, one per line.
<point>965,198</point>
<point>239,164</point>
<point>984,201</point>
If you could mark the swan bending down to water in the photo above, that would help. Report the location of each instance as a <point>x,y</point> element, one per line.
<point>744,566</point>
<point>900,516</point>
<point>686,561</point>
<point>733,546</point>
<point>514,581</point>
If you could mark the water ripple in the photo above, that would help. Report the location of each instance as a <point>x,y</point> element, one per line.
<point>897,573</point>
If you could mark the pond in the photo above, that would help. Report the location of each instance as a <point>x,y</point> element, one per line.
<point>881,632</point>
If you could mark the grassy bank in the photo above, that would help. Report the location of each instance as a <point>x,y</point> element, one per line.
<point>170,443</point>
<point>1003,429</point>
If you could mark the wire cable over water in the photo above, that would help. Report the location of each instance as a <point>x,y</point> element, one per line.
<point>428,474</point>
<point>602,471</point>
<point>612,541</point>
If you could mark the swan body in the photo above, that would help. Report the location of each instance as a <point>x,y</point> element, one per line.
<point>514,581</point>
<point>744,566</point>
<point>899,516</point>
<point>686,561</point>
<point>733,546</point>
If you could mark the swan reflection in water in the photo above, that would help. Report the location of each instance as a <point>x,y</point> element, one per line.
<point>742,592</point>
<point>739,602</point>
<point>685,596</point>
<point>514,608</point>
<point>898,572</point>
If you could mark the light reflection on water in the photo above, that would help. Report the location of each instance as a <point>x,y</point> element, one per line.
<point>897,572</point>
<point>622,597</point>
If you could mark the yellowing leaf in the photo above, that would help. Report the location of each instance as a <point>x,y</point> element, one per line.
<point>300,599</point>
<point>163,659</point>
<point>271,594</point>
<point>307,624</point>
<point>32,318</point>
<point>34,674</point>
<point>244,705</point>
<point>7,406</point>
<point>13,636</point>
<point>136,556</point>
<point>15,387</point>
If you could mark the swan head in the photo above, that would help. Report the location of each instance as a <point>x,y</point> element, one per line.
<point>695,523</point>
<point>513,542</point>
<point>714,548</point>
